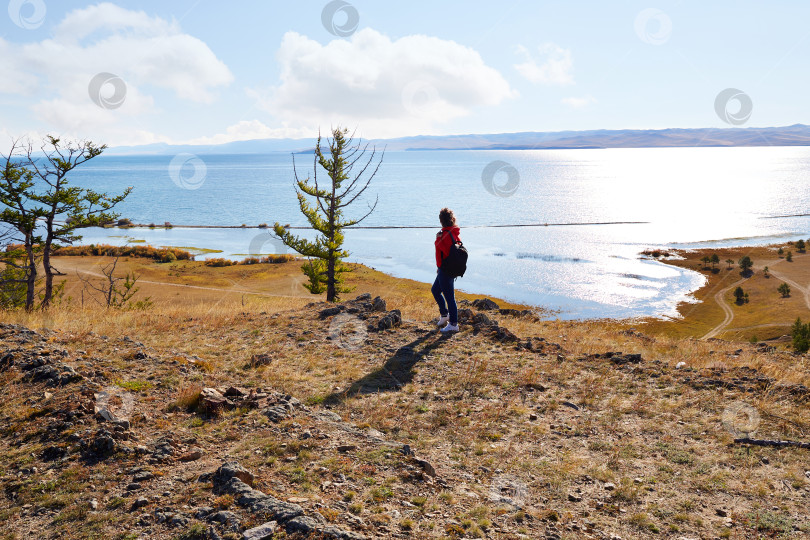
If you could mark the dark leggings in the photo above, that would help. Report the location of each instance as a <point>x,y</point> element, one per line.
<point>443,290</point>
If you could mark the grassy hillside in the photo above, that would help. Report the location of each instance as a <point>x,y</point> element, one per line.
<point>362,421</point>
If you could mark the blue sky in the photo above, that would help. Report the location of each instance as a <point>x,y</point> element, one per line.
<point>210,72</point>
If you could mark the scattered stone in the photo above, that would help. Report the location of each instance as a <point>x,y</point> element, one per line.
<point>390,320</point>
<point>610,486</point>
<point>722,512</point>
<point>226,518</point>
<point>212,402</point>
<point>484,304</point>
<point>570,405</point>
<point>574,497</point>
<point>330,311</point>
<point>52,453</point>
<point>346,448</point>
<point>257,360</point>
<point>94,504</point>
<point>378,304</point>
<point>276,413</point>
<point>232,469</point>
<point>680,365</point>
<point>142,476</point>
<point>265,531</point>
<point>426,466</point>
<point>621,359</point>
<point>140,502</point>
<point>191,456</point>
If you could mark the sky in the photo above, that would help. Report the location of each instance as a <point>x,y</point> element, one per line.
<point>209,72</point>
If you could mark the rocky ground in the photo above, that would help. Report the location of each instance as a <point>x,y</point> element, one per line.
<point>359,423</point>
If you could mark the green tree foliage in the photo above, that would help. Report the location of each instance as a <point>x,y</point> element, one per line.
<point>801,336</point>
<point>706,260</point>
<point>745,264</point>
<point>740,295</point>
<point>800,246</point>
<point>789,256</point>
<point>715,259</point>
<point>44,209</point>
<point>730,263</point>
<point>784,290</point>
<point>345,163</point>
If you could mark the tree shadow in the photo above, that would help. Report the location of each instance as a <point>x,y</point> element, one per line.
<point>395,373</point>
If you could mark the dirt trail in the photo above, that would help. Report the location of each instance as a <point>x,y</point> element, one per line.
<point>805,290</point>
<point>719,298</point>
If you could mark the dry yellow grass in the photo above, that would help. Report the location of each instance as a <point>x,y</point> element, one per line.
<point>487,415</point>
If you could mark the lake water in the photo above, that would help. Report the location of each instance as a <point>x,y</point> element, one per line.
<point>688,197</point>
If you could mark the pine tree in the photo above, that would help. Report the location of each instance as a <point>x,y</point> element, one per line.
<point>325,213</point>
<point>44,209</point>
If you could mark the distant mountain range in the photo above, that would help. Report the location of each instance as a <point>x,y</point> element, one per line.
<point>795,135</point>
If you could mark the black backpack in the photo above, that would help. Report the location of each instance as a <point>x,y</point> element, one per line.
<point>455,263</point>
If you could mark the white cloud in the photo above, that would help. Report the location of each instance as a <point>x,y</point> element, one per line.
<point>248,130</point>
<point>556,68</point>
<point>578,102</point>
<point>386,87</point>
<point>145,52</point>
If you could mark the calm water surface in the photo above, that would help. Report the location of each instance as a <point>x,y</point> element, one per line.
<point>689,197</point>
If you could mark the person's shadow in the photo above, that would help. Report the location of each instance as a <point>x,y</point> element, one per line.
<point>395,373</point>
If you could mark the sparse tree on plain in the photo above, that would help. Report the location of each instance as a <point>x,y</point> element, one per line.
<point>784,290</point>
<point>746,264</point>
<point>44,209</point>
<point>346,161</point>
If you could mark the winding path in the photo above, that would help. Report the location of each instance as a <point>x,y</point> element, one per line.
<point>729,313</point>
<point>805,290</point>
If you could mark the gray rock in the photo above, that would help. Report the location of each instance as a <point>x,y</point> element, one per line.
<point>485,304</point>
<point>378,304</point>
<point>390,320</point>
<point>276,413</point>
<point>262,532</point>
<point>230,470</point>
<point>140,502</point>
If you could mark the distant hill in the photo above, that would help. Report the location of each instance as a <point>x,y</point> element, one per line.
<point>795,135</point>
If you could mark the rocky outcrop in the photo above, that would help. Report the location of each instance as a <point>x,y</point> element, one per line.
<point>230,478</point>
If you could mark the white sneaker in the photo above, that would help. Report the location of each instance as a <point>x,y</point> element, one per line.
<point>450,328</point>
<point>443,320</point>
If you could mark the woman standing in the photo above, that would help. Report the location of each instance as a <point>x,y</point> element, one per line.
<point>443,286</point>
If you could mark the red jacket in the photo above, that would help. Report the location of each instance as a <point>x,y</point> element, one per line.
<point>443,242</point>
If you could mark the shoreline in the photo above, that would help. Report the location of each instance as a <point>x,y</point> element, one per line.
<point>766,315</point>
<point>683,307</point>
